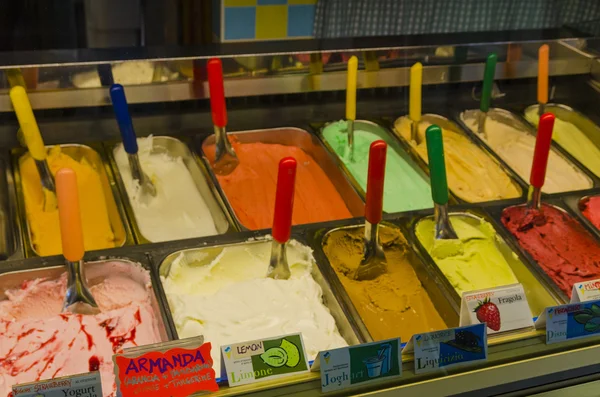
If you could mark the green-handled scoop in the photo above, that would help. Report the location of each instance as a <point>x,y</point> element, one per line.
<point>445,243</point>
<point>486,91</point>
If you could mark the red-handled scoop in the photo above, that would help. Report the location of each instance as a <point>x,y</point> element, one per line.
<point>225,159</point>
<point>373,263</point>
<point>540,160</point>
<point>282,220</point>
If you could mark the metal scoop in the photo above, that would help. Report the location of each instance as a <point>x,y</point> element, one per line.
<point>486,91</point>
<point>33,139</point>
<point>373,263</point>
<point>119,102</point>
<point>415,103</point>
<point>225,159</point>
<point>445,236</point>
<point>351,80</point>
<point>78,298</point>
<point>282,220</point>
<point>543,77</point>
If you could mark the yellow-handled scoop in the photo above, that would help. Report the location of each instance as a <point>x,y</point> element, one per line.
<point>351,101</point>
<point>34,142</point>
<point>415,103</point>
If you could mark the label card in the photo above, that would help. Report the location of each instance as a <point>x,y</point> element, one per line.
<point>586,291</point>
<point>175,369</point>
<point>448,348</point>
<point>266,359</point>
<point>83,385</point>
<point>572,321</point>
<point>501,309</point>
<point>349,366</point>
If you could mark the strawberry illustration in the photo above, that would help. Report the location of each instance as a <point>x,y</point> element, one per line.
<point>487,312</point>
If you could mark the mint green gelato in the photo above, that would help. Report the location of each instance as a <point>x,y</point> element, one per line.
<point>405,188</point>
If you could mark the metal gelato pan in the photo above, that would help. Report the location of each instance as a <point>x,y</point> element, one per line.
<point>383,134</point>
<point>589,129</point>
<point>537,291</point>
<point>447,124</point>
<point>292,136</point>
<point>508,118</point>
<point>175,148</point>
<point>11,242</point>
<point>384,294</point>
<point>541,274</point>
<point>116,213</point>
<point>205,255</point>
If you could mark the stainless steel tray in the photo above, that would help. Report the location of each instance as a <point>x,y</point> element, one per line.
<point>543,277</point>
<point>507,117</point>
<point>539,292</point>
<point>447,124</point>
<point>430,280</point>
<point>13,278</point>
<point>566,113</point>
<point>11,237</point>
<point>175,148</point>
<point>163,261</point>
<point>310,144</point>
<point>95,155</point>
<point>385,135</point>
<point>575,204</point>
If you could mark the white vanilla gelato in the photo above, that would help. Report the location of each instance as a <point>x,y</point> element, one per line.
<point>178,210</point>
<point>516,146</point>
<point>224,294</point>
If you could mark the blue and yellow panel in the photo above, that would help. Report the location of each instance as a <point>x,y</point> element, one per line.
<point>267,19</point>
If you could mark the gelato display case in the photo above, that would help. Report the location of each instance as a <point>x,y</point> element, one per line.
<point>192,258</point>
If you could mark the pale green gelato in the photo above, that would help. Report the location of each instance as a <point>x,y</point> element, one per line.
<point>405,189</point>
<point>573,140</point>
<point>474,261</point>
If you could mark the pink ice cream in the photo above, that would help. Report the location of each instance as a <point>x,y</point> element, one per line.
<point>39,342</point>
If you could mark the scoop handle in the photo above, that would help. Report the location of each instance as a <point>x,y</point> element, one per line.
<point>375,181</point>
<point>119,102</point>
<point>542,150</point>
<point>284,199</point>
<point>29,126</point>
<point>351,88</point>
<point>69,215</point>
<point>416,87</point>
<point>437,165</point>
<point>217,92</point>
<point>488,82</point>
<point>543,74</point>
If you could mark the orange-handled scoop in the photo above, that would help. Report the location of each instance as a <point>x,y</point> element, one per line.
<point>78,298</point>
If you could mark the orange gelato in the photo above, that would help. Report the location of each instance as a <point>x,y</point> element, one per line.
<point>250,188</point>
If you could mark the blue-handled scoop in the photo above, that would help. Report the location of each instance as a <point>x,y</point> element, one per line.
<point>119,102</point>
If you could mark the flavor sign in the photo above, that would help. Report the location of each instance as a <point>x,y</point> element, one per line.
<point>82,385</point>
<point>501,309</point>
<point>586,291</point>
<point>265,359</point>
<point>175,369</point>
<point>572,321</point>
<point>348,366</point>
<point>448,348</point>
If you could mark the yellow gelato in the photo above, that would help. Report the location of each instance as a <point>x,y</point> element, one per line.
<point>473,175</point>
<point>573,140</point>
<point>475,262</point>
<point>44,225</point>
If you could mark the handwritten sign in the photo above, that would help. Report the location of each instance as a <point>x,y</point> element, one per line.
<point>175,369</point>
<point>501,309</point>
<point>586,291</point>
<point>265,359</point>
<point>348,366</point>
<point>448,348</point>
<point>81,385</point>
<point>571,321</point>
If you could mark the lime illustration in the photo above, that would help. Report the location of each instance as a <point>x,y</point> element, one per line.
<point>275,357</point>
<point>293,354</point>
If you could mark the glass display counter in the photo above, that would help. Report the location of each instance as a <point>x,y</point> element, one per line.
<point>287,99</point>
